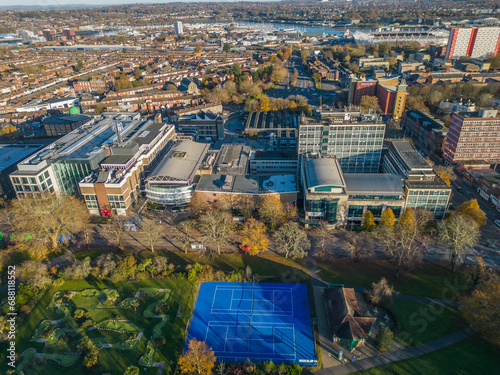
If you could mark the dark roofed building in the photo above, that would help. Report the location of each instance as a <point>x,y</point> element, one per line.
<point>189,87</point>
<point>63,124</point>
<point>348,325</point>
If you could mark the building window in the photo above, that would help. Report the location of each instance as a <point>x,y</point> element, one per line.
<point>15,180</point>
<point>355,211</point>
<point>91,201</point>
<point>116,201</point>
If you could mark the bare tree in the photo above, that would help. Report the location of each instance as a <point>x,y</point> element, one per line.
<point>323,238</point>
<point>42,220</point>
<point>186,231</point>
<point>358,245</point>
<point>216,226</point>
<point>403,241</point>
<point>379,291</point>
<point>115,231</point>
<point>153,232</point>
<point>292,240</point>
<point>460,233</point>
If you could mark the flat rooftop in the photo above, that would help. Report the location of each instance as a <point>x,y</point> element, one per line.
<point>274,155</point>
<point>248,184</point>
<point>374,184</point>
<point>13,153</point>
<point>181,162</point>
<point>489,175</point>
<point>233,159</point>
<point>260,121</point>
<point>411,156</point>
<point>324,172</point>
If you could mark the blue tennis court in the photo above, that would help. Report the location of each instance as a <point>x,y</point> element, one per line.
<point>256,321</point>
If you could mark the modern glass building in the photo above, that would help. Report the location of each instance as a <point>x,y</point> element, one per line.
<point>342,199</point>
<point>172,183</point>
<point>356,144</point>
<point>423,187</point>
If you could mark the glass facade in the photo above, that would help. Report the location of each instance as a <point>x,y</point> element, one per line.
<point>355,211</point>
<point>116,201</point>
<point>69,174</point>
<point>169,196</point>
<point>327,208</point>
<point>358,147</point>
<point>91,201</point>
<point>433,200</point>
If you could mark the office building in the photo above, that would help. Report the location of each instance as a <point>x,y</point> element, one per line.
<point>69,33</point>
<point>10,155</point>
<point>472,138</point>
<point>476,42</point>
<point>64,124</point>
<point>445,106</point>
<point>390,92</point>
<point>341,199</point>
<point>424,189</point>
<point>278,127</point>
<point>172,181</point>
<point>263,163</point>
<point>49,35</point>
<point>106,150</point>
<point>426,129</point>
<point>26,36</point>
<point>357,142</point>
<point>232,159</point>
<point>246,192</point>
<point>178,28</point>
<point>203,126</point>
<point>392,99</point>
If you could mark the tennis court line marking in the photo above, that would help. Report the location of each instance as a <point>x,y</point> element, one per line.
<point>256,312</point>
<point>288,326</point>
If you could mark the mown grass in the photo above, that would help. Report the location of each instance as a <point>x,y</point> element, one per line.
<point>113,361</point>
<point>470,357</point>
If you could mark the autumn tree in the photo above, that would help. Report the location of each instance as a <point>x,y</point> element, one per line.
<point>199,358</point>
<point>403,241</point>
<point>265,103</point>
<point>272,211</point>
<point>44,219</point>
<point>368,223</point>
<point>216,226</point>
<point>471,208</point>
<point>254,237</point>
<point>460,233</point>
<point>292,240</point>
<point>369,104</point>
<point>153,232</point>
<point>388,218</point>
<point>446,173</point>
<point>481,310</point>
<point>34,274</point>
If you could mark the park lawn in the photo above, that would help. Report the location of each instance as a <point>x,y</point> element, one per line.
<point>266,265</point>
<point>428,280</point>
<point>423,322</point>
<point>113,361</point>
<point>470,357</point>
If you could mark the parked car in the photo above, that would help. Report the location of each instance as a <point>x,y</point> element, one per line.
<point>497,223</point>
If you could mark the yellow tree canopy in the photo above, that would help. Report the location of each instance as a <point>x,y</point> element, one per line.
<point>471,208</point>
<point>254,238</point>
<point>199,358</point>
<point>388,218</point>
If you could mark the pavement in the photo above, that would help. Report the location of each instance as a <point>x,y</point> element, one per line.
<point>382,359</point>
<point>332,365</point>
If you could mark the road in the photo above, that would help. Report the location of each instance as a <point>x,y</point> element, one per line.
<point>304,85</point>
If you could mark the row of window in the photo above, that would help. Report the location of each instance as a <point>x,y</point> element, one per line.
<point>31,180</point>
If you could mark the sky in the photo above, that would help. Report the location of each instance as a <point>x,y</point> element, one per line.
<point>43,3</point>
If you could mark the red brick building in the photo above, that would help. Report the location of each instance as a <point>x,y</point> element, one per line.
<point>473,137</point>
